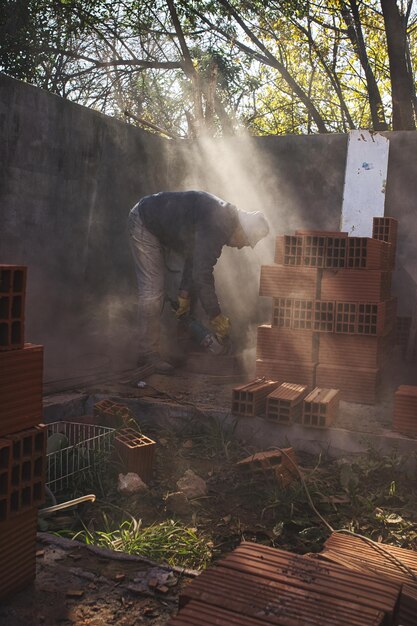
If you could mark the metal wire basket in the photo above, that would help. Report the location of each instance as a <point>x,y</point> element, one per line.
<point>85,446</point>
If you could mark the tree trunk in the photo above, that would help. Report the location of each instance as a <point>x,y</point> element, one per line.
<point>402,85</point>
<point>355,34</point>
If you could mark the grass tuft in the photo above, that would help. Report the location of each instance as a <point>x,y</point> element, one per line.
<point>170,542</point>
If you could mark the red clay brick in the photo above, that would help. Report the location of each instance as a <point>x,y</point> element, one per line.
<point>336,252</point>
<point>366,253</point>
<point>311,575</point>
<point>136,452</point>
<point>283,343</point>
<point>402,330</point>
<point>285,404</point>
<point>111,414</point>
<point>360,385</point>
<point>283,465</point>
<point>12,306</point>
<point>28,467</point>
<point>21,374</point>
<point>5,477</point>
<point>18,552</point>
<point>351,551</point>
<point>366,318</point>
<point>12,279</point>
<point>250,399</point>
<point>322,233</point>
<point>282,311</point>
<point>314,250</point>
<point>299,372</point>
<point>353,350</point>
<point>284,589</point>
<point>405,410</point>
<point>320,407</point>
<point>351,285</point>
<point>207,615</point>
<point>288,250</point>
<point>386,229</point>
<point>280,281</point>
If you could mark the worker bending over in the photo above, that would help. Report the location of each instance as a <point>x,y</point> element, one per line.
<point>197,225</point>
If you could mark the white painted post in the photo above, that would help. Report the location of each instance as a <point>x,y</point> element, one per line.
<point>365,180</point>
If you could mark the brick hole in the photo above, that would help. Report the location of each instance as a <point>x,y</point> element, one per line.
<point>16,306</point>
<point>322,420</point>
<point>15,474</point>
<point>27,445</point>
<point>18,280</point>
<point>14,501</point>
<point>284,418</point>
<point>39,442</point>
<point>38,492</point>
<point>236,406</point>
<point>4,458</point>
<point>314,420</point>
<point>5,280</point>
<point>38,467</point>
<point>3,484</point>
<point>275,461</point>
<point>3,510</point>
<point>26,496</point>
<point>17,328</point>
<point>4,334</point>
<point>17,450</point>
<point>4,307</point>
<point>26,471</point>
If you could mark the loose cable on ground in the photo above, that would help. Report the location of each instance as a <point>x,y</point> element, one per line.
<point>375,545</point>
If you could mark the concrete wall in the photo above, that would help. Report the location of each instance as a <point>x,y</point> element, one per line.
<point>69,177</point>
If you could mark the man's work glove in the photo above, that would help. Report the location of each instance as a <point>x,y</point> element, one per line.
<point>221,326</point>
<point>184,304</point>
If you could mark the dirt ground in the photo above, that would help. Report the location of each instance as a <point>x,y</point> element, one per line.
<point>76,584</point>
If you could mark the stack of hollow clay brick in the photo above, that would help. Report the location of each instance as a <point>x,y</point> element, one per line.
<point>333,317</point>
<point>22,436</point>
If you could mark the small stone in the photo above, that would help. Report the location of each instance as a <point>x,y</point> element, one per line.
<point>162,589</point>
<point>191,485</point>
<point>40,554</point>
<point>131,483</point>
<point>119,577</point>
<point>74,593</point>
<point>188,444</point>
<point>177,503</point>
<point>153,583</point>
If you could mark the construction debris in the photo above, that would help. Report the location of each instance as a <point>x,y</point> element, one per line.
<point>272,586</point>
<point>280,463</point>
<point>388,562</point>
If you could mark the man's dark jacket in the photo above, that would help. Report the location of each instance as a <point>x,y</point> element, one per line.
<point>198,225</point>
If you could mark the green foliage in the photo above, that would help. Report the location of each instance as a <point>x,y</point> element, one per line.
<point>297,66</point>
<point>170,542</point>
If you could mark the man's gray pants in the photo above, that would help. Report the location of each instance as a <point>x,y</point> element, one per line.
<point>148,255</point>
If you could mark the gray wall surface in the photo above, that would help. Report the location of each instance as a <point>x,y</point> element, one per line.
<point>70,175</point>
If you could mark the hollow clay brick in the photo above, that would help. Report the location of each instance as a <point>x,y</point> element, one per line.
<point>250,399</point>
<point>21,373</point>
<point>299,372</point>
<point>280,281</point>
